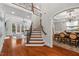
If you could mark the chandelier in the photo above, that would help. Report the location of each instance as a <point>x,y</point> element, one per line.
<point>70,16</point>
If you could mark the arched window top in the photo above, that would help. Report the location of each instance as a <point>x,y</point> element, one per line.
<point>72,26</point>
<point>72,23</point>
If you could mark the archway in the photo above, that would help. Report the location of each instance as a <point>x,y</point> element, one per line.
<point>66,21</point>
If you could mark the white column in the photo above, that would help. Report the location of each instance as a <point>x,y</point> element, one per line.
<point>52,32</point>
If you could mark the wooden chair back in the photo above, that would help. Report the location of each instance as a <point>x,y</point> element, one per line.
<point>73,35</point>
<point>62,35</point>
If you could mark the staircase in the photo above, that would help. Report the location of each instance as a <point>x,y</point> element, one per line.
<point>36,39</point>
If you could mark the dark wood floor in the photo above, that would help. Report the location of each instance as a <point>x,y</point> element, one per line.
<point>34,51</point>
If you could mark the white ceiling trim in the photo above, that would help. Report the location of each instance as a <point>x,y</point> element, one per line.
<point>20,8</point>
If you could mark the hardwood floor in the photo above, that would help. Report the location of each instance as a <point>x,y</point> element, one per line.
<point>21,50</point>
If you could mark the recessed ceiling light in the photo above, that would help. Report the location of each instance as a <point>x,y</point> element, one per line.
<point>13,12</point>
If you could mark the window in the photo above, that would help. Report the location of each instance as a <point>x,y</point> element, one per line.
<point>18,27</point>
<point>13,28</point>
<point>22,28</point>
<point>72,26</point>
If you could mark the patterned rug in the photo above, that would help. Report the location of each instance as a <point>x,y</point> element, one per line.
<point>66,46</point>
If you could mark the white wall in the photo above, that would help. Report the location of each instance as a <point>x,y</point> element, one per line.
<point>2,29</point>
<point>59,27</point>
<point>36,22</point>
<point>2,32</point>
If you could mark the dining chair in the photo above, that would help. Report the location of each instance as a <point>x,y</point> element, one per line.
<point>73,39</point>
<point>56,37</point>
<point>62,37</point>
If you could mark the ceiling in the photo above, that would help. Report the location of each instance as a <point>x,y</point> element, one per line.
<point>55,8</point>
<point>17,12</point>
<point>27,6</point>
<point>63,16</point>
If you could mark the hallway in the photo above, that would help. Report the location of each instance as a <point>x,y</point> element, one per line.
<point>20,50</point>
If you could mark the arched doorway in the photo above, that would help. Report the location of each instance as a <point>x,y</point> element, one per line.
<point>66,21</point>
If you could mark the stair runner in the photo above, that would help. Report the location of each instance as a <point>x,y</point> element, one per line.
<point>36,39</point>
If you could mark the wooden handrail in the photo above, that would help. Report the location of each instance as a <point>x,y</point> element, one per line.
<point>30,29</point>
<point>21,6</point>
<point>43,30</point>
<point>32,8</point>
<point>29,34</point>
<point>42,27</point>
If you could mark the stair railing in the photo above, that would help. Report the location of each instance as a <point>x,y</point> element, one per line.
<point>29,34</point>
<point>30,29</point>
<point>42,29</point>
